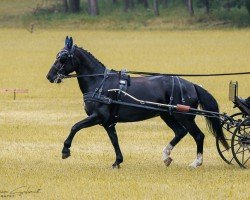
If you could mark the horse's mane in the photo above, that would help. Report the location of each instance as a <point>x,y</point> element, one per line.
<point>91,57</point>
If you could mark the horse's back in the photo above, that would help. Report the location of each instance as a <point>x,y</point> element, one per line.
<point>149,88</point>
<point>161,88</point>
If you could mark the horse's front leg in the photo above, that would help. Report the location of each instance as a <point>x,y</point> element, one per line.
<point>89,121</point>
<point>114,140</point>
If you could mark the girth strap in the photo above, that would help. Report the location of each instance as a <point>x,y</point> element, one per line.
<point>172,92</point>
<point>124,82</point>
<point>101,99</point>
<point>171,97</point>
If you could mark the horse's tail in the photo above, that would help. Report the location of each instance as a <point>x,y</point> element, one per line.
<point>208,102</point>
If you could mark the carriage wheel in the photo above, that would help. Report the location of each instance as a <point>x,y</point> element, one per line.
<point>226,154</point>
<point>241,143</point>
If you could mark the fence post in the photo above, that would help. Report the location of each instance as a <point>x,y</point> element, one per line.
<point>14,94</point>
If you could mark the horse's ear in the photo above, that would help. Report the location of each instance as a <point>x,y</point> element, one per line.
<point>69,43</point>
<point>66,40</point>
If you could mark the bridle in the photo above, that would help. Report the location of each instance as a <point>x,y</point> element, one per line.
<point>63,57</point>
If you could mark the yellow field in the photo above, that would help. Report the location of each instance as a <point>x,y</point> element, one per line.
<point>34,127</point>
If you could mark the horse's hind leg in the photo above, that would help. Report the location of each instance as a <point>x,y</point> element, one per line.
<point>198,136</point>
<point>89,121</point>
<point>179,132</point>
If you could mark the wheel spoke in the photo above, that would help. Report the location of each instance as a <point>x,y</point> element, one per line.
<point>226,149</point>
<point>243,153</point>
<point>238,152</point>
<point>239,136</point>
<point>231,160</point>
<point>231,140</point>
<point>235,144</point>
<point>246,161</point>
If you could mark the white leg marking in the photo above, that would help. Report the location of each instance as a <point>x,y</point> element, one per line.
<point>166,154</point>
<point>197,162</point>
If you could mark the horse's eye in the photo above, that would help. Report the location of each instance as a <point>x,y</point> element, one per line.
<point>63,58</point>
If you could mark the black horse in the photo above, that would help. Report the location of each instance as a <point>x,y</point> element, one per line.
<point>96,80</point>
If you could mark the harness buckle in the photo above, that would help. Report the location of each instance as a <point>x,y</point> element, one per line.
<point>99,93</point>
<point>123,82</point>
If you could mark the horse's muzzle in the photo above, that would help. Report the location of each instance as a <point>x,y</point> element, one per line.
<point>53,79</point>
<point>50,78</point>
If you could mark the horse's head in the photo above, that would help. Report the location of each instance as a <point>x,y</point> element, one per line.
<point>64,64</point>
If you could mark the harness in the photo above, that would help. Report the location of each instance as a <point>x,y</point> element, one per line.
<point>96,96</point>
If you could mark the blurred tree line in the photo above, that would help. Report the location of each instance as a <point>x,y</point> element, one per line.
<point>75,6</point>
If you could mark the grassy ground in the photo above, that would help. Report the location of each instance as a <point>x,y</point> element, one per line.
<point>34,127</point>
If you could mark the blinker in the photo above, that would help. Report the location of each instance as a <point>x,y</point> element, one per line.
<point>63,58</point>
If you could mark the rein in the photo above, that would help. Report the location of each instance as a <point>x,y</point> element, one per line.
<point>160,74</point>
<point>70,54</point>
<point>157,74</point>
<point>87,75</point>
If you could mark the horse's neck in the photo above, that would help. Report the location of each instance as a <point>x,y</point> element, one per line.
<point>90,83</point>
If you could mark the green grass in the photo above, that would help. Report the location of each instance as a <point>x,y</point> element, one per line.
<point>20,14</point>
<point>34,127</point>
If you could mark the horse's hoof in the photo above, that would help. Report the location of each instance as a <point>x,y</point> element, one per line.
<point>197,162</point>
<point>195,165</point>
<point>65,155</point>
<point>116,166</point>
<point>168,161</point>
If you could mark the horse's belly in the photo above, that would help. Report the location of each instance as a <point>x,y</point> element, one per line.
<point>127,114</point>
